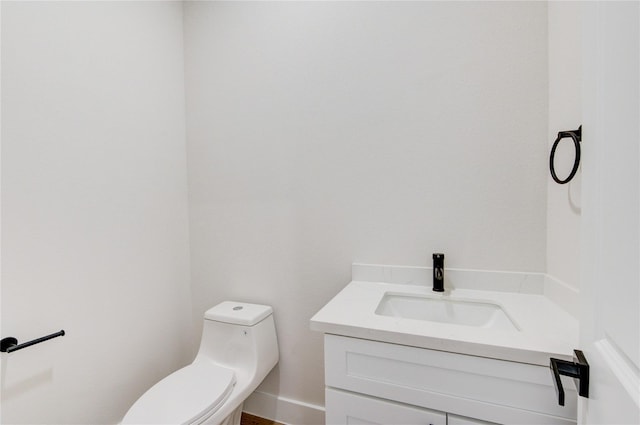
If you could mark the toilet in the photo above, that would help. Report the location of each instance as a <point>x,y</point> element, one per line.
<point>237,350</point>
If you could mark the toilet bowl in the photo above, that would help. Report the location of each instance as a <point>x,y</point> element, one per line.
<point>237,350</point>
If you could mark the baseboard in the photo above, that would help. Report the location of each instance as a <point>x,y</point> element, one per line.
<point>283,410</point>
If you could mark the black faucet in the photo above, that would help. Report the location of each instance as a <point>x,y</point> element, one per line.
<point>438,272</point>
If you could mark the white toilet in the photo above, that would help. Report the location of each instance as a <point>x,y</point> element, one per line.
<point>237,350</point>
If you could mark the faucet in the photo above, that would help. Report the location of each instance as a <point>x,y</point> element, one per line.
<point>438,272</point>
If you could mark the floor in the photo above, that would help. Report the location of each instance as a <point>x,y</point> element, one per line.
<point>248,419</point>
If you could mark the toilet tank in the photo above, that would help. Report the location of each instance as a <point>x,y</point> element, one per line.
<point>241,336</point>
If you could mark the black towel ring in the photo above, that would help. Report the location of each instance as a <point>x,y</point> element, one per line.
<point>576,135</point>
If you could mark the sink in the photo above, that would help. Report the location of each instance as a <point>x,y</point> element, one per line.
<point>476,313</point>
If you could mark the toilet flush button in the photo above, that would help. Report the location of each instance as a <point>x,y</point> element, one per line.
<point>238,307</point>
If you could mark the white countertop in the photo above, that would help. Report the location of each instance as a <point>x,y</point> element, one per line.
<point>545,330</point>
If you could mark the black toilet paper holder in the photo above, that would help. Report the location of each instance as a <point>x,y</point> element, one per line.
<point>10,344</point>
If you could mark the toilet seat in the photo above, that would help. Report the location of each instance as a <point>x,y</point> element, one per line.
<point>184,397</point>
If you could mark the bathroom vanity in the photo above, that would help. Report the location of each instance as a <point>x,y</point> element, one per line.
<point>395,352</point>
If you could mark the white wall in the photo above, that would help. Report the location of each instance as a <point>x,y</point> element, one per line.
<point>94,198</point>
<point>565,113</point>
<point>321,134</point>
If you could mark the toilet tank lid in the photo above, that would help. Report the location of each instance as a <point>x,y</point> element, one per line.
<point>238,313</point>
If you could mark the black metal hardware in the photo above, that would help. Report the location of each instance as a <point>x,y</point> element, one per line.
<point>10,344</point>
<point>576,135</point>
<point>438,272</point>
<point>578,369</point>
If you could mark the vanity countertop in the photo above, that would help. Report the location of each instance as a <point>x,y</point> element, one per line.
<point>545,330</point>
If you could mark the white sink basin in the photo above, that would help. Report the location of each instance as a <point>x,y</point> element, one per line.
<point>480,314</point>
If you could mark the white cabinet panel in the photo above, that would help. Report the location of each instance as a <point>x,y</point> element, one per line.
<point>353,409</point>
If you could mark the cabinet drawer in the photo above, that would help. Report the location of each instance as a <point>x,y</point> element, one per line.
<point>488,389</point>
<point>460,420</point>
<point>344,408</point>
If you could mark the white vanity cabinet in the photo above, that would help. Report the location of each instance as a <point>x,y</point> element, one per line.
<point>371,382</point>
<point>398,353</point>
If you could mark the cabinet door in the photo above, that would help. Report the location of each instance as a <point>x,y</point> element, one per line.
<point>344,408</point>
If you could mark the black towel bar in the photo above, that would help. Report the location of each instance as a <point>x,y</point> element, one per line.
<point>10,344</point>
